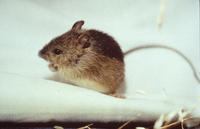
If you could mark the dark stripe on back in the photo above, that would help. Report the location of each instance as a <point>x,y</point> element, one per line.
<point>106,45</point>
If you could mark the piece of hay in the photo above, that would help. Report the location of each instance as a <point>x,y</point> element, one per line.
<point>141,92</point>
<point>58,127</point>
<point>121,127</point>
<point>159,122</point>
<point>86,127</point>
<point>140,128</point>
<point>161,14</point>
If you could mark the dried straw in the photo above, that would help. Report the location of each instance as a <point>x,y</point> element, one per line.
<point>161,14</point>
<point>86,127</point>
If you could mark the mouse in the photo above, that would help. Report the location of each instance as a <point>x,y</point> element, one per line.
<point>92,59</point>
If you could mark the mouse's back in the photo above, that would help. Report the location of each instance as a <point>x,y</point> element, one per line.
<point>105,45</point>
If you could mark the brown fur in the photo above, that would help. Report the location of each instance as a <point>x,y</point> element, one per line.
<point>89,58</point>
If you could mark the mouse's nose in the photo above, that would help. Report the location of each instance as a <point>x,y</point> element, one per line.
<point>43,52</point>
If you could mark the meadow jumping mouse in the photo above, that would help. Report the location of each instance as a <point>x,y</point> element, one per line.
<point>87,58</point>
<point>91,58</point>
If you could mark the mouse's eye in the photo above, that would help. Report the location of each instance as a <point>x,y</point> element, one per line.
<point>57,51</point>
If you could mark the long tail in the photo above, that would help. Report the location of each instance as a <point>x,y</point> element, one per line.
<point>169,48</point>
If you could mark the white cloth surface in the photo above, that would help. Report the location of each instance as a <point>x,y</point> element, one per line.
<point>157,81</point>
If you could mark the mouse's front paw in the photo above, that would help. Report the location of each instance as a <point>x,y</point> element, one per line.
<point>53,67</point>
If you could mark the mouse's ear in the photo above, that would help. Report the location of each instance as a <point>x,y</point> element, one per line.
<point>77,26</point>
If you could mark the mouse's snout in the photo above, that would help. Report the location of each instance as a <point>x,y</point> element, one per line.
<point>42,53</point>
